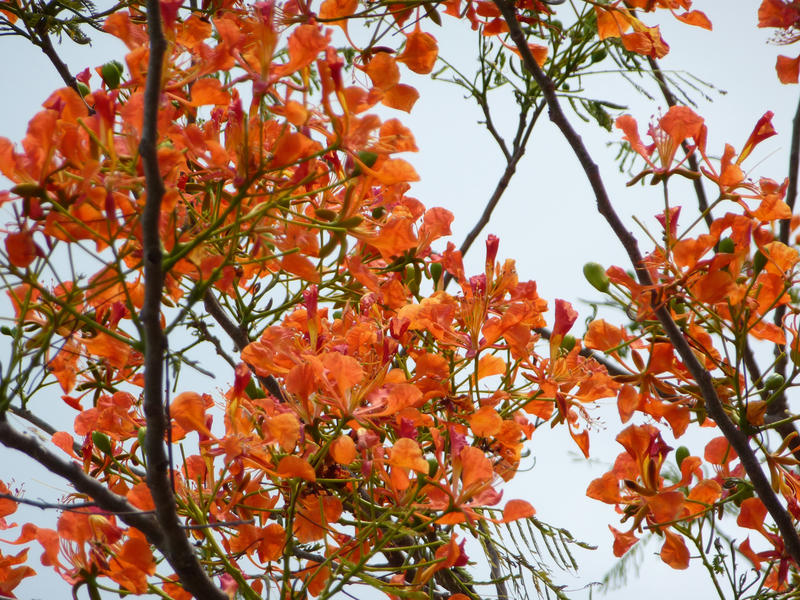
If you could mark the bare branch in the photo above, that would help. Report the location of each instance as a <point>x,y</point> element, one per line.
<point>46,44</point>
<point>177,549</point>
<point>72,472</point>
<point>716,411</point>
<point>780,405</point>
<point>24,413</point>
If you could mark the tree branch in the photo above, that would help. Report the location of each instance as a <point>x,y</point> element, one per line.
<point>46,44</point>
<point>714,407</point>
<point>104,498</point>
<point>177,549</point>
<point>780,405</point>
<point>240,340</point>
<point>24,413</point>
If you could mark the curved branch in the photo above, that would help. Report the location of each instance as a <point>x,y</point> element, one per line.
<point>72,472</point>
<point>178,551</point>
<point>716,411</point>
<point>46,45</point>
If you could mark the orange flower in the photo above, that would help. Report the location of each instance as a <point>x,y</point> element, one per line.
<point>644,497</point>
<point>678,125</point>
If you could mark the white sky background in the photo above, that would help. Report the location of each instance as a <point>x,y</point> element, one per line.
<point>546,221</point>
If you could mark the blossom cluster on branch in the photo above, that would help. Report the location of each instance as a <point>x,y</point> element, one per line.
<point>373,415</point>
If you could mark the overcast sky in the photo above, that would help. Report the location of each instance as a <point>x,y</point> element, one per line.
<point>546,221</point>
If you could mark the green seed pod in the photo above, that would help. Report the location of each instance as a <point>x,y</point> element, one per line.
<point>331,245</point>
<point>102,442</point>
<point>253,390</point>
<point>111,72</point>
<point>599,55</point>
<point>742,493</point>
<point>678,306</point>
<point>774,381</point>
<point>140,436</point>
<point>726,246</point>
<point>436,272</point>
<point>794,354</point>
<point>568,343</point>
<point>596,275</point>
<point>681,454</point>
<point>433,467</point>
<point>350,222</point>
<point>759,262</point>
<point>430,10</point>
<point>7,331</point>
<point>325,214</point>
<point>27,190</point>
<point>366,157</point>
<point>412,278</point>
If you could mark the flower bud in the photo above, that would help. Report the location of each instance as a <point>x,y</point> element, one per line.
<point>596,275</point>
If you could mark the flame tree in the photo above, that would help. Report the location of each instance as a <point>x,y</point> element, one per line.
<point>231,188</point>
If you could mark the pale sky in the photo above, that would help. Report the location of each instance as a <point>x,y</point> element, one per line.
<point>546,221</point>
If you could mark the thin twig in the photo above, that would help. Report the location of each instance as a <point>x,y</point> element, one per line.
<point>702,377</point>
<point>499,190</point>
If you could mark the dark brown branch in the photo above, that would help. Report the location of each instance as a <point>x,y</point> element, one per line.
<point>702,377</point>
<point>237,334</point>
<point>177,548</point>
<point>700,192</point>
<point>240,340</point>
<point>74,507</point>
<point>794,163</point>
<point>778,408</point>
<point>780,405</point>
<point>104,498</point>
<point>24,413</point>
<point>42,39</point>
